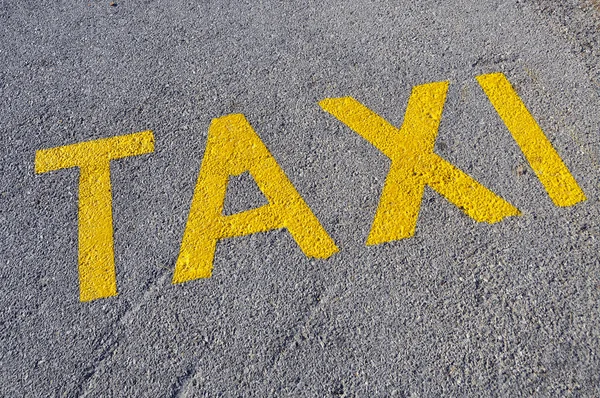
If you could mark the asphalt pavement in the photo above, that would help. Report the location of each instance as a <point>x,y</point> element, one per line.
<point>459,305</point>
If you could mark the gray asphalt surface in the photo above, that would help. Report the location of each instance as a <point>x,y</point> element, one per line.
<point>461,309</point>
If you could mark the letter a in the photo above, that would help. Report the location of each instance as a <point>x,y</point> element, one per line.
<point>414,164</point>
<point>233,148</point>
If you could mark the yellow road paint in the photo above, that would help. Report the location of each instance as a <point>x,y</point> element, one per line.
<point>97,275</point>
<point>233,148</point>
<point>542,157</point>
<point>414,164</point>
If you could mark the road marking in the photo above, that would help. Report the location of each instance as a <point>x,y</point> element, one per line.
<point>233,148</point>
<point>542,157</point>
<point>97,277</point>
<point>414,164</point>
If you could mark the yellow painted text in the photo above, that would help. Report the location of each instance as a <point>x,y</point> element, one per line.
<point>97,277</point>
<point>542,157</point>
<point>415,165</point>
<point>234,148</point>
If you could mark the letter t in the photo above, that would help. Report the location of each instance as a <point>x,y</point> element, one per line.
<point>97,275</point>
